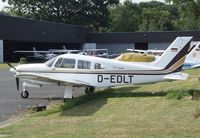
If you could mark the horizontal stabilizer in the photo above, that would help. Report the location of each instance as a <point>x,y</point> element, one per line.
<point>177,76</point>
<point>196,66</point>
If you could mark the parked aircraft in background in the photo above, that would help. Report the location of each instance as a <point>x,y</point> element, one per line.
<point>97,52</point>
<point>149,51</point>
<point>48,54</point>
<point>80,73</point>
<point>192,59</point>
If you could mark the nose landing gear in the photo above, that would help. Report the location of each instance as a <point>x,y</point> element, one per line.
<point>24,94</point>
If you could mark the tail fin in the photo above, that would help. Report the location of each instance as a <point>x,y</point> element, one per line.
<point>64,47</point>
<point>174,57</point>
<point>34,49</point>
<point>35,52</point>
<point>194,54</point>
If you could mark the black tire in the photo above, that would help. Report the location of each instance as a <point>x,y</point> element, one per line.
<point>92,89</point>
<point>89,90</point>
<point>64,100</point>
<point>67,99</point>
<point>24,94</point>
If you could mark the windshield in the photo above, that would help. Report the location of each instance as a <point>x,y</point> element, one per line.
<point>50,62</point>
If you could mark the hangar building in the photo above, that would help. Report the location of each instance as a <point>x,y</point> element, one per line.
<point>24,34</point>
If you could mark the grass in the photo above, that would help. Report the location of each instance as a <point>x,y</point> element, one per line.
<point>5,66</point>
<point>134,111</point>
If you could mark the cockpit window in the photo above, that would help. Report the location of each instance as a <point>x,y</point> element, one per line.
<point>68,63</point>
<point>50,62</point>
<point>84,64</point>
<point>65,63</point>
<point>58,62</point>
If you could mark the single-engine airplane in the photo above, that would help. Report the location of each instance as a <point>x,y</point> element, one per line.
<point>80,73</point>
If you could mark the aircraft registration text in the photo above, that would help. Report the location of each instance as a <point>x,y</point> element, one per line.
<point>115,78</point>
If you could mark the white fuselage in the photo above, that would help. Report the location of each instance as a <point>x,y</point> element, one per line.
<point>111,72</point>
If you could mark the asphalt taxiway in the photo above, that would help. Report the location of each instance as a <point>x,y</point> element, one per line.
<point>11,102</point>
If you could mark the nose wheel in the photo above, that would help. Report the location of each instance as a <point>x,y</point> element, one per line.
<point>24,94</point>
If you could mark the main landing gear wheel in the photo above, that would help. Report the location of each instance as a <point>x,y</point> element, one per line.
<point>67,99</point>
<point>24,94</point>
<point>89,90</point>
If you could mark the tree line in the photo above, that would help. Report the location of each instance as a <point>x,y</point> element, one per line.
<point>112,16</point>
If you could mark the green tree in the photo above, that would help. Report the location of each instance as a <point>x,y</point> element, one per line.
<point>2,12</point>
<point>125,17</point>
<point>92,13</point>
<point>145,16</point>
<point>189,13</point>
<point>155,20</point>
<point>157,16</point>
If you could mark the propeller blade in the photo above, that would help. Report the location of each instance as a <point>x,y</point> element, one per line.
<point>10,65</point>
<point>17,83</point>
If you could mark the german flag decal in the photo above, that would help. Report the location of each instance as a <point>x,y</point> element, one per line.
<point>174,49</point>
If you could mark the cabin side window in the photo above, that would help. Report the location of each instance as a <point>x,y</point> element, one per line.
<point>82,64</point>
<point>98,66</point>
<point>65,63</point>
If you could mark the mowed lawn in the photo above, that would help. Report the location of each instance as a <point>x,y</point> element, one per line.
<point>136,111</point>
<point>5,66</point>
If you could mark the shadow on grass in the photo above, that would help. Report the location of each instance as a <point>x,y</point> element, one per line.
<point>90,104</point>
<point>47,98</point>
<point>122,89</point>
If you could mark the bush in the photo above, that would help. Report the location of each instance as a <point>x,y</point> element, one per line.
<point>177,94</point>
<point>195,94</point>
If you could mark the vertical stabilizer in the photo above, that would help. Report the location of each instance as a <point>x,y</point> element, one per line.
<point>64,47</point>
<point>174,57</point>
<point>34,50</point>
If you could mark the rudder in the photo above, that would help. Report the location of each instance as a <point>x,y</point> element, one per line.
<point>174,57</point>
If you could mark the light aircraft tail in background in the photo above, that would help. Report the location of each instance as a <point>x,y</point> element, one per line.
<point>193,58</point>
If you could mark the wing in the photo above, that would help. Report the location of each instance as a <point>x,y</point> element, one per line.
<point>156,51</point>
<point>31,51</point>
<point>140,51</point>
<point>51,79</point>
<point>196,66</point>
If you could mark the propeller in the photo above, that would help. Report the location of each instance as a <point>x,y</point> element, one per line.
<point>17,83</point>
<point>14,69</point>
<point>10,65</point>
